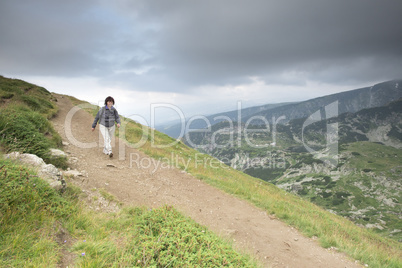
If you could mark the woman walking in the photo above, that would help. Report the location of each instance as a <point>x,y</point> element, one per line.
<point>107,117</point>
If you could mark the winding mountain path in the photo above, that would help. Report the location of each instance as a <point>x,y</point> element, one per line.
<point>137,181</point>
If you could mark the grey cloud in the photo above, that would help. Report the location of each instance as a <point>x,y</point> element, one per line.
<point>44,41</point>
<point>184,44</point>
<point>70,38</point>
<point>225,40</point>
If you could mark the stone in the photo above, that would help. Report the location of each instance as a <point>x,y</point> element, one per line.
<point>231,232</point>
<point>72,173</point>
<point>57,152</point>
<point>29,159</point>
<point>47,172</point>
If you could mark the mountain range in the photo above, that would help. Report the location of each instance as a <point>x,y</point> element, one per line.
<point>347,102</point>
<point>345,158</point>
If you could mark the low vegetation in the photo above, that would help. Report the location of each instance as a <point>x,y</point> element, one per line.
<point>332,230</point>
<point>35,218</point>
<point>24,125</point>
<point>365,187</point>
<point>40,226</point>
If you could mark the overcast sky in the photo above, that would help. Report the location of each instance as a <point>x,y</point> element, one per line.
<point>200,56</point>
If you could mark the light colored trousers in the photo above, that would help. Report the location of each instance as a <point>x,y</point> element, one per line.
<point>107,133</point>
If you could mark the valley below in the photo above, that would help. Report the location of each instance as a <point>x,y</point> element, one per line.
<point>349,164</point>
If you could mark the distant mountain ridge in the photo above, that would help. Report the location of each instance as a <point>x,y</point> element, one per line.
<point>378,124</point>
<point>174,129</point>
<point>348,102</point>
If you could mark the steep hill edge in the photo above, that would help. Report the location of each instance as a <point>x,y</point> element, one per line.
<point>144,183</point>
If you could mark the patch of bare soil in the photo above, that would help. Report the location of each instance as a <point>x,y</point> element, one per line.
<point>65,241</point>
<point>136,181</point>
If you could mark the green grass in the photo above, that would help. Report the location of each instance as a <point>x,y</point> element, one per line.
<point>375,157</point>
<point>29,211</point>
<point>15,91</point>
<point>332,230</point>
<point>33,215</point>
<point>108,197</point>
<point>24,124</point>
<point>26,131</point>
<point>155,238</point>
<point>346,199</point>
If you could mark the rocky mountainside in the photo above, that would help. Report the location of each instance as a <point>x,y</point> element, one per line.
<point>365,183</point>
<point>347,102</point>
<point>365,187</point>
<point>380,124</point>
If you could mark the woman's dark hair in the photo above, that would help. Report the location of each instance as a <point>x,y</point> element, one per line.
<point>109,99</point>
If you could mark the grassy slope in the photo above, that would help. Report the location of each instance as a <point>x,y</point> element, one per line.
<point>332,230</point>
<point>24,127</point>
<point>34,217</point>
<point>380,172</point>
<point>365,187</point>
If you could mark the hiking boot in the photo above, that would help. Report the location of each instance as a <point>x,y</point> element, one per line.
<point>111,155</point>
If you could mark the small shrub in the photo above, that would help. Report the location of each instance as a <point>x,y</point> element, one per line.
<point>303,191</point>
<point>58,161</point>
<point>337,201</point>
<point>32,102</point>
<point>37,104</point>
<point>6,95</point>
<point>342,194</point>
<point>325,194</point>
<point>327,179</point>
<point>26,131</point>
<point>332,184</point>
<point>169,239</point>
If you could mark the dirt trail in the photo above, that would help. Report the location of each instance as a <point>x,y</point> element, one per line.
<point>141,183</point>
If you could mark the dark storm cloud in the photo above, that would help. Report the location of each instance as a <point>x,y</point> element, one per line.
<point>218,41</point>
<point>43,39</point>
<point>176,45</point>
<point>64,38</point>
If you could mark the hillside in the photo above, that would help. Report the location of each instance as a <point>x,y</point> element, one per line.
<point>348,102</point>
<point>253,214</point>
<point>360,187</point>
<point>380,124</point>
<point>365,188</point>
